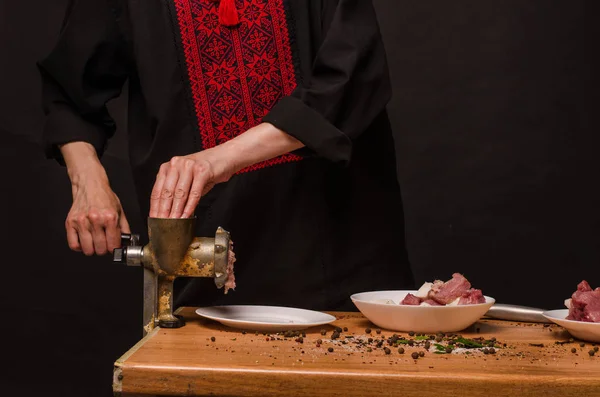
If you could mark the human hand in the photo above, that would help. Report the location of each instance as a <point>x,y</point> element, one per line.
<point>96,219</point>
<point>184,180</point>
<point>181,182</point>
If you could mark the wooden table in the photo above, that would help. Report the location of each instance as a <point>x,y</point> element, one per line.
<point>186,362</point>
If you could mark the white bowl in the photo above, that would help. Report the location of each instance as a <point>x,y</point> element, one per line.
<point>425,319</point>
<point>589,332</point>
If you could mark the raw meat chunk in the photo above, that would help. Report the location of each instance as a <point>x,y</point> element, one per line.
<point>452,289</point>
<point>584,304</point>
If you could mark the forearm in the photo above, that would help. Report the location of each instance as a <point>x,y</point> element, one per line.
<point>83,164</point>
<point>260,143</point>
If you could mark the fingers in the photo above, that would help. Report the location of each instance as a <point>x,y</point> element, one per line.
<point>72,237</point>
<point>178,188</point>
<point>195,193</point>
<point>97,224</point>
<point>112,232</point>
<point>168,190</point>
<point>157,190</point>
<point>182,189</point>
<point>123,223</point>
<point>84,234</point>
<point>94,233</point>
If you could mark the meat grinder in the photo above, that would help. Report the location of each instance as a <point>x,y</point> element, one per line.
<point>174,252</point>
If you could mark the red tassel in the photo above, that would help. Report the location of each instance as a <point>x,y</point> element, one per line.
<point>228,13</point>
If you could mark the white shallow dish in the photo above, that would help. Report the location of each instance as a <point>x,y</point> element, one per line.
<point>265,318</point>
<point>426,319</point>
<point>582,330</point>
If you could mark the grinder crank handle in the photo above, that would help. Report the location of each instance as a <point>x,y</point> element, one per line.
<point>130,253</point>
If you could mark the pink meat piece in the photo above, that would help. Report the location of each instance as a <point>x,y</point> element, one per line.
<point>431,302</point>
<point>451,290</point>
<point>230,282</point>
<point>585,304</point>
<point>436,286</point>
<point>472,297</point>
<point>411,300</point>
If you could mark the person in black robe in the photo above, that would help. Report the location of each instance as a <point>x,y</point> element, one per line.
<point>265,117</point>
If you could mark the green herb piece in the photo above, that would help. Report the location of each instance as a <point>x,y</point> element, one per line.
<point>469,343</point>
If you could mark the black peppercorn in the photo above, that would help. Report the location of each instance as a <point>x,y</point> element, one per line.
<point>323,332</point>
<point>401,350</point>
<point>212,339</point>
<point>387,350</point>
<point>368,331</point>
<point>421,354</point>
<point>330,350</point>
<point>378,330</point>
<point>427,345</point>
<point>492,350</point>
<point>582,344</point>
<point>338,329</point>
<point>345,329</point>
<point>411,333</point>
<point>415,355</point>
<point>591,352</point>
<point>573,350</point>
<point>319,341</point>
<point>369,350</point>
<point>370,340</point>
<point>438,338</point>
<point>448,349</point>
<point>596,349</point>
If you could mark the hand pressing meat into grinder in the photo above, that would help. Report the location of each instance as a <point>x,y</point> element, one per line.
<point>174,252</point>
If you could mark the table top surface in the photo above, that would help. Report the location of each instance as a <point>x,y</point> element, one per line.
<point>186,361</point>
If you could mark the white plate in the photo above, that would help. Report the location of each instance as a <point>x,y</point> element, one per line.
<point>426,319</point>
<point>582,330</point>
<point>265,318</point>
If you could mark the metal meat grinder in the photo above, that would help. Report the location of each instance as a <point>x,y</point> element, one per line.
<point>174,252</point>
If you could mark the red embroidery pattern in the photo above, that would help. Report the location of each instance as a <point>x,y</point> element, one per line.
<point>236,74</point>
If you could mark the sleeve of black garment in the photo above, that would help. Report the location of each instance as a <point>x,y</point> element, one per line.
<point>348,88</point>
<point>84,70</point>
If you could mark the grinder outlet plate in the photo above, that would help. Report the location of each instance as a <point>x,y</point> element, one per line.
<point>265,318</point>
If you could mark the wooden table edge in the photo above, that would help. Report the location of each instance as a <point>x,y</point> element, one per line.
<point>120,362</point>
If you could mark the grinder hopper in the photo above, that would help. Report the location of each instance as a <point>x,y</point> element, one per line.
<point>173,252</point>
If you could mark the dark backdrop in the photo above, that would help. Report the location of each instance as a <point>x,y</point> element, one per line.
<point>495,117</point>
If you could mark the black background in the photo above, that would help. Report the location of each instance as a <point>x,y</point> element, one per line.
<point>495,117</point>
